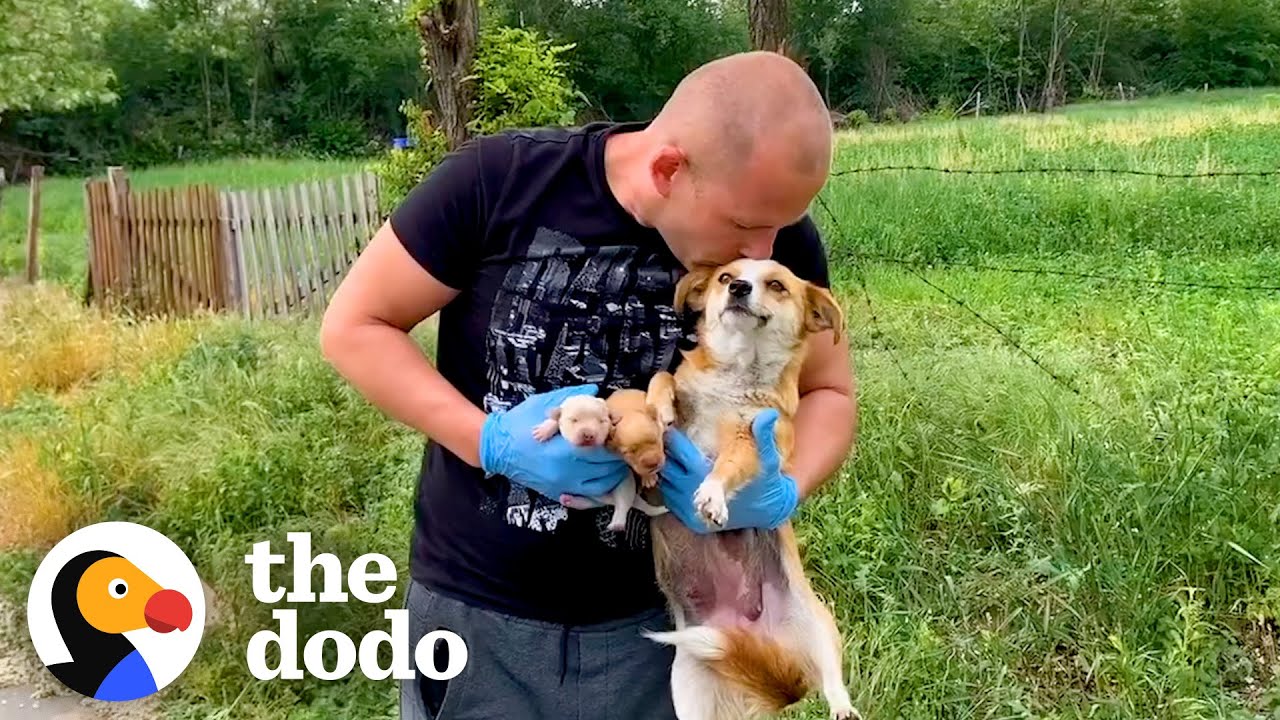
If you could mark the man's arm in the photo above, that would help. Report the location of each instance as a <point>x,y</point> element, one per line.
<point>365,336</point>
<point>826,423</point>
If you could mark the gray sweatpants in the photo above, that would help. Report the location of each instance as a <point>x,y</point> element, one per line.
<point>519,669</point>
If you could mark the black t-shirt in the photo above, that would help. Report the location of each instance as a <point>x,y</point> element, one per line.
<point>559,286</point>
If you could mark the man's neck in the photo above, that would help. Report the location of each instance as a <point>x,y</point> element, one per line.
<point>623,155</point>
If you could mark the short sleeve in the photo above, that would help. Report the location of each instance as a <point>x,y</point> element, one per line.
<point>442,221</point>
<point>800,248</point>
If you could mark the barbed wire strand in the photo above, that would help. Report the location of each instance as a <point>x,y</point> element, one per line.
<point>866,293</point>
<point>1069,273</point>
<point>958,301</point>
<point>1059,171</point>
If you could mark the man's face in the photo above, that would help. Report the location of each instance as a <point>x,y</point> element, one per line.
<point>713,220</point>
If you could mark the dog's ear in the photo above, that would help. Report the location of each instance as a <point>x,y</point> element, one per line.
<point>691,291</point>
<point>554,413</point>
<point>652,411</point>
<point>822,312</point>
<point>615,417</point>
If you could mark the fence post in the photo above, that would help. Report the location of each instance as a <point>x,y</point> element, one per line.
<point>118,195</point>
<point>33,225</point>
<point>232,254</point>
<point>3,182</point>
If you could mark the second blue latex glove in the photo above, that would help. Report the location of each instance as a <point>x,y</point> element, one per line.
<point>552,468</point>
<point>768,501</point>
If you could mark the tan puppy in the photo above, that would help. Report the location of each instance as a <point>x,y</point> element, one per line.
<point>751,636</point>
<point>637,434</point>
<point>622,425</point>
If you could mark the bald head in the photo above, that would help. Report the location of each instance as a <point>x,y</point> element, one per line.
<point>746,109</point>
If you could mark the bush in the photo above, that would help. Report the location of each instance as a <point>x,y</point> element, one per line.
<point>403,168</point>
<point>521,82</point>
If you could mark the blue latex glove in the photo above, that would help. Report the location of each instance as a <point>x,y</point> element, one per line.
<point>767,501</point>
<point>554,467</point>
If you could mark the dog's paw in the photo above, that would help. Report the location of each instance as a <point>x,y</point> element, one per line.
<point>544,430</point>
<point>845,713</point>
<point>710,503</point>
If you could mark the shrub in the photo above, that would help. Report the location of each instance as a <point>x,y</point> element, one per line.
<point>521,82</point>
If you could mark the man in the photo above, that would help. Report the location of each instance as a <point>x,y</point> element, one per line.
<point>552,257</point>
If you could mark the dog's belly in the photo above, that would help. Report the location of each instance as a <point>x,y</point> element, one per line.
<point>725,579</point>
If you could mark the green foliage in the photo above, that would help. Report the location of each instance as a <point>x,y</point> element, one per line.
<point>628,55</point>
<point>49,54</point>
<point>231,77</point>
<point>400,169</point>
<point>522,82</point>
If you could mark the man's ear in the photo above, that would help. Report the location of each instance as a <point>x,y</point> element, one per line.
<point>691,291</point>
<point>822,312</point>
<point>666,163</point>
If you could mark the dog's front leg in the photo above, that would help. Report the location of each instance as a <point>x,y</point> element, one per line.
<point>662,396</point>
<point>736,464</point>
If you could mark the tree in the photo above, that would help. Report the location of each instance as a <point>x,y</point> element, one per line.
<point>48,54</point>
<point>769,26</point>
<point>450,32</point>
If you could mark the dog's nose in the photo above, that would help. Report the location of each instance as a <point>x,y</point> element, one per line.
<point>739,288</point>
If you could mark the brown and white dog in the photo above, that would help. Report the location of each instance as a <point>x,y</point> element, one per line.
<point>751,637</point>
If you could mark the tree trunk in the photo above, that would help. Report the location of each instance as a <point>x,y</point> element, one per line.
<point>1022,44</point>
<point>769,28</point>
<point>450,32</point>
<point>1100,49</point>
<point>1054,84</point>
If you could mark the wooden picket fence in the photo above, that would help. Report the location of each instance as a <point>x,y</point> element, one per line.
<point>260,252</point>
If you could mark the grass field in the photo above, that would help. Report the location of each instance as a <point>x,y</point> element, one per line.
<point>1001,545</point>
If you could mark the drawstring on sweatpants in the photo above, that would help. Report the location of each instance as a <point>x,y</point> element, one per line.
<point>564,652</point>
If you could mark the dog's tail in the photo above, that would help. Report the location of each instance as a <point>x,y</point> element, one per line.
<point>757,665</point>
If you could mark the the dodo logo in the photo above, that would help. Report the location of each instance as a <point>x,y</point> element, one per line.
<point>116,611</point>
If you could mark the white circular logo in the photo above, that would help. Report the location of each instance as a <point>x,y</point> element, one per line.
<point>116,611</point>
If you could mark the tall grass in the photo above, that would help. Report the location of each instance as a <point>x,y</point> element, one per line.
<point>1001,544</point>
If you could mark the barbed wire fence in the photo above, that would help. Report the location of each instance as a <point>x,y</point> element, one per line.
<point>848,247</point>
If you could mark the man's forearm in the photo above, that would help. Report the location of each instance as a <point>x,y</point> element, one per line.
<point>390,370</point>
<point>826,424</point>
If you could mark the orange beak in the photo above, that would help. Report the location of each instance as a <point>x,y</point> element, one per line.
<point>168,610</point>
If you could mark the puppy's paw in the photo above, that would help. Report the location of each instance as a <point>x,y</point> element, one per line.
<point>544,430</point>
<point>845,713</point>
<point>710,503</point>
<point>578,502</point>
<point>649,482</point>
<point>666,414</point>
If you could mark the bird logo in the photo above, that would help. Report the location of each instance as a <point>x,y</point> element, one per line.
<point>116,611</point>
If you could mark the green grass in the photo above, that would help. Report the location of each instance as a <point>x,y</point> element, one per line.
<point>999,546</point>
<point>62,221</point>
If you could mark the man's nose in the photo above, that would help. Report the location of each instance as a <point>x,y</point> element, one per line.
<point>739,288</point>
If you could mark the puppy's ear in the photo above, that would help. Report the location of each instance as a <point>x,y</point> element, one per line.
<point>652,411</point>
<point>822,312</point>
<point>554,413</point>
<point>691,291</point>
<point>615,417</point>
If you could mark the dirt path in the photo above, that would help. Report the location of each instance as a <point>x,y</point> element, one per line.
<point>29,692</point>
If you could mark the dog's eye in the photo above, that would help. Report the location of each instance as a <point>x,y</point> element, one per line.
<point>776,286</point>
<point>725,278</point>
